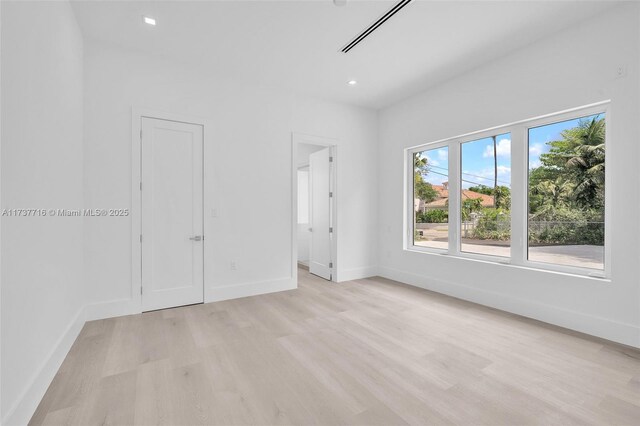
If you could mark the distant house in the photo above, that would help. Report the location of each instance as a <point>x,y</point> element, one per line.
<point>443,197</point>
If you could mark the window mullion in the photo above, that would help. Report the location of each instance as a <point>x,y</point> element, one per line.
<point>519,197</point>
<point>454,198</point>
<point>409,194</point>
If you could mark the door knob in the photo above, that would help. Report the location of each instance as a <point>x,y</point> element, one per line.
<point>197,238</point>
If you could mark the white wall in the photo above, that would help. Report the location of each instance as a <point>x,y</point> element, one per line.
<point>247,172</point>
<point>42,291</point>
<point>573,68</point>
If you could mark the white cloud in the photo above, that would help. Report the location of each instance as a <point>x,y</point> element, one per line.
<point>434,179</point>
<point>486,176</point>
<point>534,155</point>
<point>504,170</point>
<point>503,149</point>
<point>431,161</point>
<point>443,154</point>
<point>536,149</point>
<point>485,173</point>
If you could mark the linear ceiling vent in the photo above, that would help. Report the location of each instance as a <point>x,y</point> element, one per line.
<point>384,18</point>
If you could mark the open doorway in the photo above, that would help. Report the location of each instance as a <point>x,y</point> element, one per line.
<point>315,230</point>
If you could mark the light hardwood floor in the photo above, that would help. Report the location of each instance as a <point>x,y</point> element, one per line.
<point>369,352</point>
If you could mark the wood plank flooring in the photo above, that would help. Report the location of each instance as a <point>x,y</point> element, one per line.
<point>367,352</point>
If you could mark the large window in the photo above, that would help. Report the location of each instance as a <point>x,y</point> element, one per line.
<point>530,193</point>
<point>431,198</point>
<point>566,192</point>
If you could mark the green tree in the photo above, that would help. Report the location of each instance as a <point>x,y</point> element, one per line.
<point>482,189</point>
<point>469,206</point>
<point>577,160</point>
<point>502,197</point>
<point>587,164</point>
<point>550,195</point>
<point>501,194</point>
<point>420,164</point>
<point>572,172</point>
<point>539,180</point>
<point>422,190</point>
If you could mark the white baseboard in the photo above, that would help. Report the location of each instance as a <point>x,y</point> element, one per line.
<point>356,273</point>
<point>627,334</point>
<point>217,294</point>
<point>111,309</point>
<point>26,405</point>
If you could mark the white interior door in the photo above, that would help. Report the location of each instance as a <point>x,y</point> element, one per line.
<point>172,217</point>
<point>320,259</point>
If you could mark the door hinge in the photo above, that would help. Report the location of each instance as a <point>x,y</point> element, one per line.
<point>330,194</point>
<point>140,134</point>
<point>330,264</point>
<point>140,186</point>
<point>140,289</point>
<point>331,229</point>
<point>331,159</point>
<point>140,237</point>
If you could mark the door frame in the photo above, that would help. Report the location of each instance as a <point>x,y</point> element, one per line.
<point>137,114</point>
<point>297,139</point>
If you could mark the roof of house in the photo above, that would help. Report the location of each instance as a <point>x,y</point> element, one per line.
<point>443,197</point>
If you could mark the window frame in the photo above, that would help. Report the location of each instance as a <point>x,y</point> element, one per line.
<point>410,195</point>
<point>496,131</point>
<point>519,132</point>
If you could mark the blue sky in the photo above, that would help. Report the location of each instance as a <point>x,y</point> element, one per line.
<point>438,163</point>
<point>477,156</point>
<point>478,164</point>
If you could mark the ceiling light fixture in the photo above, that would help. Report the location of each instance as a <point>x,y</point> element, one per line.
<point>352,82</point>
<point>148,20</point>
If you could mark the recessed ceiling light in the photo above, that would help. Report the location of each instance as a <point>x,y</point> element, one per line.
<point>148,20</point>
<point>352,82</point>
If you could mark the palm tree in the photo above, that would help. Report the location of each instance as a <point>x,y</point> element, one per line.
<point>420,164</point>
<point>587,162</point>
<point>553,192</point>
<point>502,197</point>
<point>422,189</point>
<point>578,158</point>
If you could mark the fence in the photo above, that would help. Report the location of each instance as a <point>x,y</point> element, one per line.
<point>566,232</point>
<point>540,232</point>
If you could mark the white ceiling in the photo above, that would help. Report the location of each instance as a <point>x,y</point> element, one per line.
<point>296,44</point>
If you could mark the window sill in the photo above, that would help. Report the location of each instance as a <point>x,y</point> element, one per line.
<point>505,262</point>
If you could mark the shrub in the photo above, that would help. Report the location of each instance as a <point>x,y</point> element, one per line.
<point>493,224</point>
<point>432,216</point>
<point>566,225</point>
